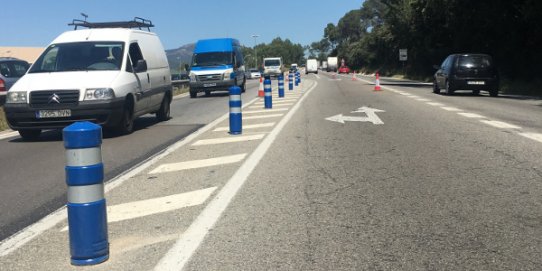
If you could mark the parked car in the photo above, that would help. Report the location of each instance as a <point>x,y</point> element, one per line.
<point>11,69</point>
<point>472,72</point>
<point>254,74</point>
<point>107,75</point>
<point>344,69</point>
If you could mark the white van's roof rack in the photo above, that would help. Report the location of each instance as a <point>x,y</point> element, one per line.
<point>137,22</point>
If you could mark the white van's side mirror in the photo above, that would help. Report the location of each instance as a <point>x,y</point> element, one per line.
<point>141,66</point>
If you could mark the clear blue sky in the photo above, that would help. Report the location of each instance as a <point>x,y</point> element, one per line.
<point>35,23</point>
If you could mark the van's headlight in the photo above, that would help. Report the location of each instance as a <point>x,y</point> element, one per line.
<point>16,97</point>
<point>99,94</point>
<point>193,77</point>
<point>229,75</point>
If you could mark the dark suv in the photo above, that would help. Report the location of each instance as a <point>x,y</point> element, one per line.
<point>11,69</point>
<point>467,72</point>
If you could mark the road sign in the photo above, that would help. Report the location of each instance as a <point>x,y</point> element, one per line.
<point>403,55</point>
<point>370,112</point>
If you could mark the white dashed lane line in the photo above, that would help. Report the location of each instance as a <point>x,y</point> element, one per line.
<point>472,115</point>
<point>452,109</point>
<point>533,136</point>
<point>500,124</point>
<point>435,104</point>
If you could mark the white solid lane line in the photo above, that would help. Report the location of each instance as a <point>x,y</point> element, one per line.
<point>251,126</point>
<point>153,206</point>
<point>500,124</point>
<point>231,139</point>
<point>199,163</point>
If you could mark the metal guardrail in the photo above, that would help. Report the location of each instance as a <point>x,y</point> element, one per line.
<point>180,82</point>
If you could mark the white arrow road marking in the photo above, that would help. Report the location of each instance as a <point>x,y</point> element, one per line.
<point>199,163</point>
<point>148,207</point>
<point>370,112</point>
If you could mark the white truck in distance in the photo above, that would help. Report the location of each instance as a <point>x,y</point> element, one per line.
<point>332,64</point>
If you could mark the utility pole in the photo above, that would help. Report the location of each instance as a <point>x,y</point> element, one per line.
<point>255,53</point>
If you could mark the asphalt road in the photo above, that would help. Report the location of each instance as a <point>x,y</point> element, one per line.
<point>32,173</point>
<point>433,188</point>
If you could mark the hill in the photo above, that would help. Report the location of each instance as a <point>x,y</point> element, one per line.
<point>180,55</point>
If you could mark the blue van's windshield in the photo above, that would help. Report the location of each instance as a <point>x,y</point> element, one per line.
<point>212,59</point>
<point>80,56</point>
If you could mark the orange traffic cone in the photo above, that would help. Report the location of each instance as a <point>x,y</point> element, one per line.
<point>354,78</point>
<point>377,83</point>
<point>260,90</point>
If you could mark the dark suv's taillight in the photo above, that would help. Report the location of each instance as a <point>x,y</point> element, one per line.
<point>2,85</point>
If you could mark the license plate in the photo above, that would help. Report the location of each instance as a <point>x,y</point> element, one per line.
<point>476,83</point>
<point>42,114</point>
<point>209,85</point>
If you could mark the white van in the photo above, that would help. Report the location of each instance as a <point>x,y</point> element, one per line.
<point>312,66</point>
<point>272,66</point>
<point>108,76</point>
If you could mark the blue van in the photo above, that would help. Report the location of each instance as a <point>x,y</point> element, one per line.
<point>217,64</point>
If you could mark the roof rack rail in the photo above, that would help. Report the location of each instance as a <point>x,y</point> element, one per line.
<point>137,22</point>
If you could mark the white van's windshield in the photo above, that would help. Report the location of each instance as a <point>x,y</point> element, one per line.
<point>80,56</point>
<point>212,59</point>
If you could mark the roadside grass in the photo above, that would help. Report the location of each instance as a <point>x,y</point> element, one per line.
<point>177,90</point>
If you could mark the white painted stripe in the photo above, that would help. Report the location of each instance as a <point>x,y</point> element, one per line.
<point>83,157</point>
<point>8,135</point>
<point>27,234</point>
<point>231,139</point>
<point>405,94</point>
<point>235,98</point>
<point>533,136</point>
<point>435,104</point>
<point>500,124</point>
<point>262,116</point>
<point>190,240</point>
<point>224,160</point>
<point>472,115</point>
<point>278,102</point>
<point>414,97</point>
<point>423,100</point>
<point>252,126</point>
<point>235,110</point>
<point>154,206</point>
<point>265,111</point>
<point>452,109</point>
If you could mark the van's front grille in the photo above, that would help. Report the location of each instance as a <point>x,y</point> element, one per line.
<point>209,77</point>
<point>54,97</point>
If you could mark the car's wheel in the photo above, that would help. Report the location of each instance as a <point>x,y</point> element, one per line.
<point>207,92</point>
<point>163,113</point>
<point>30,134</point>
<point>193,94</point>
<point>475,92</point>
<point>126,125</point>
<point>449,89</point>
<point>436,89</point>
<point>494,93</point>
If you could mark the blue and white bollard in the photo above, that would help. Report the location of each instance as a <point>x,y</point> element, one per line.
<point>268,99</point>
<point>87,217</point>
<point>296,78</point>
<point>236,116</point>
<point>281,86</point>
<point>290,81</point>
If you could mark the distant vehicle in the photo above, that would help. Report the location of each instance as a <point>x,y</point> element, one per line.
<point>108,74</point>
<point>324,65</point>
<point>254,74</point>
<point>11,69</point>
<point>331,64</point>
<point>344,69</point>
<point>467,72</point>
<point>294,67</point>
<point>217,64</point>
<point>312,66</point>
<point>272,66</point>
